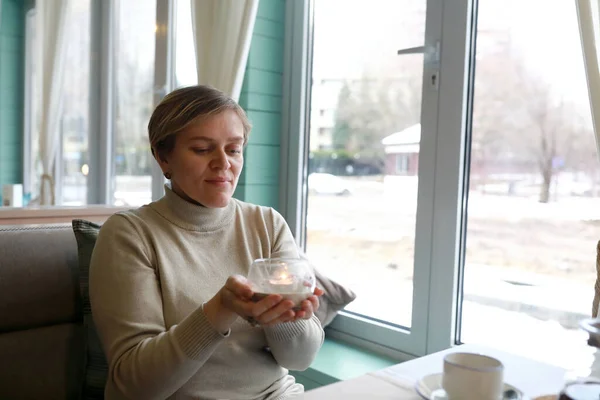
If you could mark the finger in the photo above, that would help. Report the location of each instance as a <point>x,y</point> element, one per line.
<point>275,312</point>
<point>318,291</point>
<point>314,300</point>
<point>300,315</point>
<point>240,286</point>
<point>291,316</point>
<point>307,307</point>
<point>236,304</point>
<point>265,304</point>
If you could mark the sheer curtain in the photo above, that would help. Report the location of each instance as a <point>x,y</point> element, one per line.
<point>589,27</point>
<point>222,35</point>
<point>50,27</point>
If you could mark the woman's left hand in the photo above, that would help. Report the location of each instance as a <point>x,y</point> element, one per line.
<point>309,306</point>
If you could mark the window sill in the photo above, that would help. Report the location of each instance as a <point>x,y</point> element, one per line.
<point>339,361</point>
<point>55,214</point>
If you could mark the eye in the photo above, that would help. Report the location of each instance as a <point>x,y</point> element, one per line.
<point>235,150</point>
<point>200,151</point>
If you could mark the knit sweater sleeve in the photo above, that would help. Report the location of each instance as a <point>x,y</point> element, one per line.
<point>294,345</point>
<point>146,361</point>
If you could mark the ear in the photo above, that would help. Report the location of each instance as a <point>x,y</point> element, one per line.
<point>163,163</point>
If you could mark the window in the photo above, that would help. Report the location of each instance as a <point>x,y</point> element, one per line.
<point>361,217</point>
<point>72,148</point>
<point>103,156</point>
<point>503,131</point>
<point>531,230</point>
<point>402,164</point>
<point>134,102</point>
<point>73,164</point>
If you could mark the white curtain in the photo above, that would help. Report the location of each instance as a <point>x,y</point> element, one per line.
<point>590,30</point>
<point>50,56</point>
<point>222,34</point>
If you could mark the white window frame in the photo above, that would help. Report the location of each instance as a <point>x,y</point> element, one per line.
<point>164,73</point>
<point>447,47</point>
<point>28,106</point>
<point>102,109</point>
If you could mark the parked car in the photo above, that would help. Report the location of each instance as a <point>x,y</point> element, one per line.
<point>319,183</point>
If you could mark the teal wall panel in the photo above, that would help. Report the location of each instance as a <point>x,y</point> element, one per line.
<point>265,195</point>
<point>272,10</point>
<point>263,165</point>
<point>266,54</point>
<point>263,82</point>
<point>264,123</point>
<point>269,28</point>
<point>261,102</point>
<point>261,97</point>
<point>12,58</point>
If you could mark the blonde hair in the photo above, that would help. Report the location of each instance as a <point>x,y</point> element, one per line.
<point>183,107</point>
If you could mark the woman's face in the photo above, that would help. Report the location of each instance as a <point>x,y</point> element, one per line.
<point>207,160</point>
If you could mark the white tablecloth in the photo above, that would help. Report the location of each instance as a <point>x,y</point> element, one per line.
<point>397,382</point>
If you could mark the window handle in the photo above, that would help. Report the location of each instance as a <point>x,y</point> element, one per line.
<point>431,56</point>
<point>431,53</point>
<point>412,50</point>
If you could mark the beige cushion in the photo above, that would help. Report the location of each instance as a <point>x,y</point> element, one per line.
<point>335,298</point>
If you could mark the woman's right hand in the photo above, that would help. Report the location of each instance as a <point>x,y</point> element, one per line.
<point>235,299</point>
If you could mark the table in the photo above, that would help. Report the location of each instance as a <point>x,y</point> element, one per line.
<point>534,378</point>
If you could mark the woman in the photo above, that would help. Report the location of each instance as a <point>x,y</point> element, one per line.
<point>167,287</point>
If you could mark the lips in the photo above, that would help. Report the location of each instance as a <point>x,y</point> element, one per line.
<point>218,180</point>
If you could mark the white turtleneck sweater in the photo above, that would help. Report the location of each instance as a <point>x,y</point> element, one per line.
<point>151,271</point>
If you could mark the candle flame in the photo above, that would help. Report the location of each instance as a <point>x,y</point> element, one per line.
<point>282,277</point>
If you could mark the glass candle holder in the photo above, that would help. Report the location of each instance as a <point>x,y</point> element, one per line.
<point>292,278</point>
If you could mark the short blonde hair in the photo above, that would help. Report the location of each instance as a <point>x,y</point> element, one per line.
<point>183,107</point>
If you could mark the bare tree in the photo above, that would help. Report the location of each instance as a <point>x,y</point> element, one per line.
<point>372,108</point>
<point>519,119</point>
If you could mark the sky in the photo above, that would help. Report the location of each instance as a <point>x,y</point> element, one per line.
<point>352,34</point>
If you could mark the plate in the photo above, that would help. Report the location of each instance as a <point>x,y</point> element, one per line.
<point>430,383</point>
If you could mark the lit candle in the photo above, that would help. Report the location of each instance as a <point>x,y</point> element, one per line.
<point>282,282</point>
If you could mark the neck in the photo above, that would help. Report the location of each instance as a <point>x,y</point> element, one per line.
<point>179,192</point>
<point>190,214</point>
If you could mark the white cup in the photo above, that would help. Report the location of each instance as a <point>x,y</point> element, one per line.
<point>469,376</point>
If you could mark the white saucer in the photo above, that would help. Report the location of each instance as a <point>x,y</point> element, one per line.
<point>430,383</point>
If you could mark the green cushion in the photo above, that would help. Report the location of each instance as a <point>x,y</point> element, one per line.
<point>96,367</point>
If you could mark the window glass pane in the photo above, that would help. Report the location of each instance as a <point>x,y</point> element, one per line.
<point>73,150</point>
<point>533,212</point>
<point>364,150</point>
<point>185,55</point>
<point>135,80</point>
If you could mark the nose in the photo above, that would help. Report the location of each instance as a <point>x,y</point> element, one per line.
<point>220,160</point>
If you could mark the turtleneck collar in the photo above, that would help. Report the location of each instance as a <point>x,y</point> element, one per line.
<point>192,216</point>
